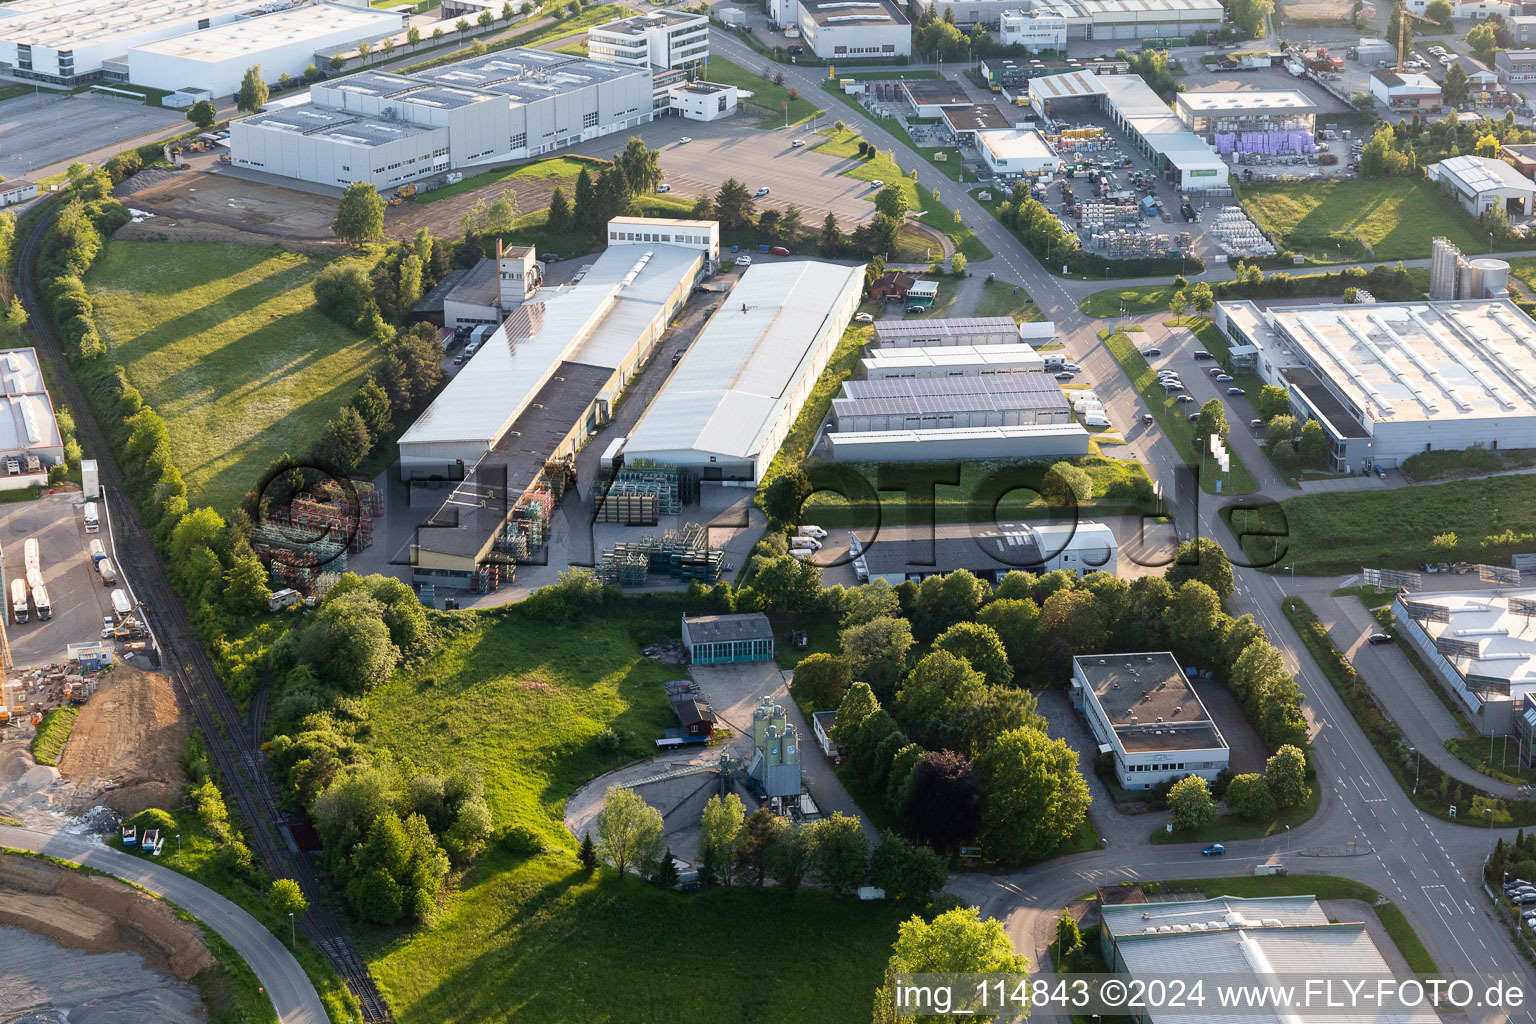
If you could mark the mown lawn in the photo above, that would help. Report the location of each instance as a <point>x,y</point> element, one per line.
<point>1327,534</point>
<point>557,168</point>
<point>1342,221</point>
<point>1137,300</point>
<point>764,92</point>
<point>1230,827</point>
<point>999,298</point>
<point>228,344</point>
<point>537,938</point>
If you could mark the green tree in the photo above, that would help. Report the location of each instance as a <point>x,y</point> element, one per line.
<point>629,831</point>
<point>821,681</point>
<point>587,853</point>
<point>858,704</point>
<point>944,799</point>
<point>1191,803</point>
<point>1067,486</point>
<point>788,584</point>
<point>786,496</point>
<point>253,91</point>
<point>758,834</point>
<point>1201,298</point>
<point>929,697</point>
<point>285,898</point>
<point>945,600</point>
<point>1068,935</point>
<point>1194,616</point>
<point>1286,773</point>
<point>1035,796</point>
<point>1178,302</point>
<point>870,601</point>
<point>485,19</point>
<point>501,215</point>
<point>413,36</point>
<point>788,856</point>
<point>559,217</point>
<point>876,651</point>
<point>245,585</point>
<point>359,215</point>
<point>375,897</point>
<point>830,241</point>
<point>1016,622</point>
<point>585,214</point>
<point>1272,401</point>
<point>1454,89</point>
<point>1071,624</point>
<point>1440,11</point>
<point>957,264</point>
<point>345,442</point>
<point>905,871</point>
<point>410,288</point>
<point>1313,448</point>
<point>981,647</point>
<point>791,224</point>
<point>666,871</point>
<point>642,166</point>
<point>1213,420</point>
<point>1202,559</point>
<point>203,114</point>
<point>957,941</point>
<point>720,835</point>
<point>15,315</point>
<point>734,206</point>
<point>472,219</point>
<point>839,853</point>
<point>1483,41</point>
<point>1249,795</point>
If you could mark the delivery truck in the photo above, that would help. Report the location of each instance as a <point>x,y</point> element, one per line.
<point>19,610</point>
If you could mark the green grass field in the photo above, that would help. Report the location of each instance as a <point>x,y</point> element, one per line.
<point>999,298</point>
<point>1324,534</point>
<point>227,343</point>
<point>1232,827</point>
<point>764,92</point>
<point>538,938</point>
<point>52,733</point>
<point>1342,221</point>
<point>1171,416</point>
<point>1138,300</point>
<point>557,168</point>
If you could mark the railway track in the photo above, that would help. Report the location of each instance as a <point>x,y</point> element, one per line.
<point>233,744</point>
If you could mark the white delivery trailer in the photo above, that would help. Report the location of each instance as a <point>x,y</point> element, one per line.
<point>34,579</point>
<point>97,551</point>
<point>120,603</point>
<point>19,601</point>
<point>40,602</point>
<point>32,560</point>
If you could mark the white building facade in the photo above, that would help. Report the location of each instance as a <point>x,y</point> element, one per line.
<point>1033,30</point>
<point>1143,710</point>
<point>699,100</point>
<point>665,39</point>
<point>842,29</point>
<point>1010,152</point>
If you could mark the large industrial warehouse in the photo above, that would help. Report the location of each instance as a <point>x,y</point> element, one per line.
<point>283,42</point>
<point>1259,110</point>
<point>971,330</point>
<point>388,128</point>
<point>732,399</point>
<point>27,425</point>
<point>1390,380</point>
<point>1095,19</point>
<point>543,381</point>
<point>943,403</point>
<point>838,29</point>
<point>1482,646</point>
<point>950,361</point>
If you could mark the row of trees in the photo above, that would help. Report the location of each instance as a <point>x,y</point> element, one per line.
<point>1256,797</point>
<point>1405,148</point>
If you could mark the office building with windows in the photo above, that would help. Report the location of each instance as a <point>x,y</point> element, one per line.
<point>1144,711</point>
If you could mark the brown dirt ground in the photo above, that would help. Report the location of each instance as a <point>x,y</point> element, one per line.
<point>127,742</point>
<point>1318,10</point>
<point>98,915</point>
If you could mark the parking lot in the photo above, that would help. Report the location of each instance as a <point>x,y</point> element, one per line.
<point>41,130</point>
<point>79,599</point>
<point>754,157</point>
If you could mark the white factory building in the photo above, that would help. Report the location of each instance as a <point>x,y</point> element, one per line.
<point>1033,30</point>
<point>388,128</point>
<point>897,552</point>
<point>1143,710</point>
<point>215,60</point>
<point>699,100</point>
<point>27,423</point>
<point>1482,646</point>
<point>1180,155</point>
<point>1480,185</point>
<point>672,45</point>
<point>1387,381</point>
<point>1404,91</point>
<point>970,330</point>
<point>730,402</point>
<point>840,29</point>
<point>1260,110</point>
<point>543,381</point>
<point>943,403</point>
<point>951,361</point>
<point>1010,152</point>
<point>1095,19</point>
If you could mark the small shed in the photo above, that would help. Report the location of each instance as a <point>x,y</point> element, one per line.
<point>93,656</point>
<point>891,287</point>
<point>923,293</point>
<point>16,191</point>
<point>721,639</point>
<point>695,717</point>
<point>281,599</point>
<point>822,723</point>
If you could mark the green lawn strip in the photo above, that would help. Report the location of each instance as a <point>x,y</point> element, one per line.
<point>1137,300</point>
<point>1435,791</point>
<point>1337,533</point>
<point>1345,221</point>
<point>1232,827</point>
<point>942,219</point>
<point>1406,940</point>
<point>765,93</point>
<point>951,166</point>
<point>1171,416</point>
<point>999,298</point>
<point>1472,751</point>
<point>1251,887</point>
<point>821,638</point>
<point>558,168</point>
<point>1120,487</point>
<point>52,733</point>
<point>229,346</point>
<point>843,364</point>
<point>537,938</point>
<point>532,38</point>
<point>199,859</point>
<point>12,91</point>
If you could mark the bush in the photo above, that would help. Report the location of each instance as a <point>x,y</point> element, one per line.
<point>154,817</point>
<point>520,839</point>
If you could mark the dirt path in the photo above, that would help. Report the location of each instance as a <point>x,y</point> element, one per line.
<point>126,745</point>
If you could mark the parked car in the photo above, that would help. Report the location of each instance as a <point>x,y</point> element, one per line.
<point>1185,399</point>
<point>1192,417</point>
<point>1215,850</point>
<point>779,250</point>
<point>743,261</point>
<point>915,308</point>
<point>552,257</point>
<point>1201,354</point>
<point>1214,371</point>
<point>1379,638</point>
<point>684,141</point>
<point>1256,424</point>
<point>1518,883</point>
<point>796,50</point>
<point>797,144</point>
<point>760,192</point>
<point>1172,385</point>
<point>1236,391</point>
<point>663,187</point>
<point>864,318</point>
<point>1065,376</point>
<point>1072,366</point>
<point>1524,898</point>
<point>1151,353</point>
<point>1222,378</point>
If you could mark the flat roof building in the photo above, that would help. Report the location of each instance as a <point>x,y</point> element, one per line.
<point>27,423</point>
<point>730,402</point>
<point>950,361</point>
<point>664,39</point>
<point>1176,151</point>
<point>839,29</point>
<point>1403,91</point>
<point>1143,710</point>
<point>972,330</point>
<point>1515,67</point>
<point>722,639</point>
<point>17,190</point>
<point>1096,19</point>
<point>1035,441</point>
<point>896,553</point>
<point>283,42</point>
<point>1387,381</point>
<point>929,98</point>
<point>1482,646</point>
<point>1481,184</point>
<point>1276,110</point>
<point>1009,152</point>
<point>1034,30</point>
<point>950,402</point>
<point>965,122</point>
<point>388,128</point>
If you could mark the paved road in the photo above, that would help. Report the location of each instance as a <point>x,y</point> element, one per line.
<point>289,987</point>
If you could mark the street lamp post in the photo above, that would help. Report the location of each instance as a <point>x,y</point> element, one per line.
<point>178,849</point>
<point>1489,811</point>
<point>1415,752</point>
<point>292,937</point>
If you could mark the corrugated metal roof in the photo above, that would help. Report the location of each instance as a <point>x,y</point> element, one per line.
<point>742,368</point>
<point>595,322</point>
